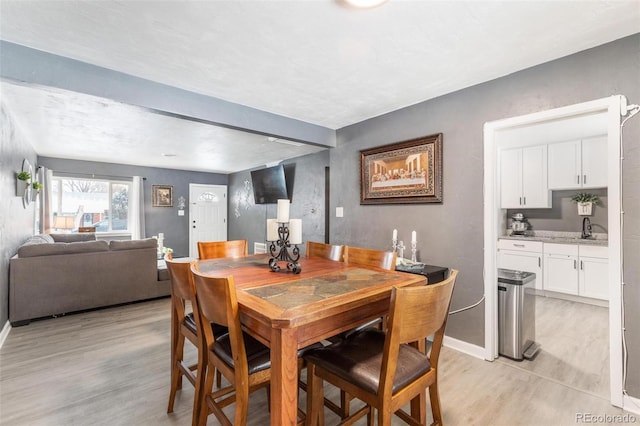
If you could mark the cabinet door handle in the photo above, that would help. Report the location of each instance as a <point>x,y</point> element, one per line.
<point>575,265</point>
<point>520,200</point>
<point>539,262</point>
<point>584,179</point>
<point>578,179</point>
<point>581,265</point>
<point>519,245</point>
<point>524,199</point>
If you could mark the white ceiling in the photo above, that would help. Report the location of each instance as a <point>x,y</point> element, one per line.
<point>314,61</point>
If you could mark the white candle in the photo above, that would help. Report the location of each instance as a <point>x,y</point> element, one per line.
<point>395,234</point>
<point>295,231</point>
<point>283,211</point>
<point>272,230</point>
<point>413,236</point>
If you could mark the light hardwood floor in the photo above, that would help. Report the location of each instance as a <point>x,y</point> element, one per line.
<point>574,339</point>
<point>111,367</point>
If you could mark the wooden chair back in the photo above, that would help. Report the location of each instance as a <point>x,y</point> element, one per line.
<point>368,257</point>
<point>182,291</point>
<point>218,249</point>
<point>325,251</point>
<point>182,285</point>
<point>216,301</point>
<point>414,314</point>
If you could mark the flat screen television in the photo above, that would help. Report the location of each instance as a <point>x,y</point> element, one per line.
<point>269,185</point>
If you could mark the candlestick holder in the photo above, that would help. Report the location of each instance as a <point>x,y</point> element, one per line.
<point>414,251</point>
<point>279,251</point>
<point>400,249</point>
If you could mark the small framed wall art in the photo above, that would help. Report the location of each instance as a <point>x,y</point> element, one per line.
<point>162,195</point>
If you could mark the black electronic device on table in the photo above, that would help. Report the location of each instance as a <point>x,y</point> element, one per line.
<point>434,274</point>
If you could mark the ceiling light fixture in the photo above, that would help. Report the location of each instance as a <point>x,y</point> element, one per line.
<point>361,4</point>
<point>164,154</point>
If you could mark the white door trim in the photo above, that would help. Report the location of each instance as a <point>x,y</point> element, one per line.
<point>494,221</point>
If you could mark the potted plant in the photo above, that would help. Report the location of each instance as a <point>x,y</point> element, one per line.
<point>585,202</point>
<point>22,183</point>
<point>37,186</point>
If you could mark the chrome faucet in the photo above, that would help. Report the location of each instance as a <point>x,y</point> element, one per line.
<point>586,228</point>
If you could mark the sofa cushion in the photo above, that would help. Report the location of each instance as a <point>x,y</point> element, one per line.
<point>39,239</point>
<point>133,244</point>
<point>33,250</point>
<point>72,238</point>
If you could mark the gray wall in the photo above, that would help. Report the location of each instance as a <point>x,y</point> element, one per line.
<point>157,219</point>
<point>248,220</point>
<point>563,216</point>
<point>451,234</point>
<point>16,222</point>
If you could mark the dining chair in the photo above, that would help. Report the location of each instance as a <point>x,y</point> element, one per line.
<point>218,249</point>
<point>183,325</point>
<point>325,251</point>
<point>242,360</point>
<point>387,370</point>
<point>368,257</point>
<point>362,256</point>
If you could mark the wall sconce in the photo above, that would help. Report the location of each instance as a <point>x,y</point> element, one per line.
<point>182,202</point>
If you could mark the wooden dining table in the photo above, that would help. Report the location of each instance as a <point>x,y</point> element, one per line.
<point>288,311</point>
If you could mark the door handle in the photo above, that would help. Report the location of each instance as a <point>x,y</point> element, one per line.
<point>501,288</point>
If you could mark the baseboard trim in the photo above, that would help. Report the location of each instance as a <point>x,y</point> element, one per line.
<point>631,404</point>
<point>464,347</point>
<point>5,332</point>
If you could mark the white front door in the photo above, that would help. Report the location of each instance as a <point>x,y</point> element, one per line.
<point>207,215</point>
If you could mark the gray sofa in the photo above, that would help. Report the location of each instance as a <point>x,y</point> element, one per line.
<point>62,273</point>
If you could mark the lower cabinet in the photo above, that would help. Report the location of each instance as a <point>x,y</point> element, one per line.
<point>521,256</point>
<point>576,270</point>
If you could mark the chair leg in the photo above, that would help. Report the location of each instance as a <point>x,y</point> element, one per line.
<point>419,407</point>
<point>315,398</point>
<point>345,400</point>
<point>435,404</point>
<point>204,386</point>
<point>177,349</point>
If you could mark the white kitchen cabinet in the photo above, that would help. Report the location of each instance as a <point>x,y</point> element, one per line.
<point>521,256</point>
<point>578,164</point>
<point>576,270</point>
<point>561,268</point>
<point>523,178</point>
<point>594,272</point>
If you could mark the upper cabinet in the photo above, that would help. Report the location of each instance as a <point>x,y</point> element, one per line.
<point>578,164</point>
<point>523,178</point>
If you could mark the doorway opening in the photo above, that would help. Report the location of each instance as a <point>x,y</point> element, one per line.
<point>608,112</point>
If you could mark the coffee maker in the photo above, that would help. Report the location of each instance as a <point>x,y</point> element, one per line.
<point>519,224</point>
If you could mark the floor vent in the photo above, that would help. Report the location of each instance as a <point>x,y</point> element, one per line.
<point>259,248</point>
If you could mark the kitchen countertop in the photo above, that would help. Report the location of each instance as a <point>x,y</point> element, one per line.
<point>598,239</point>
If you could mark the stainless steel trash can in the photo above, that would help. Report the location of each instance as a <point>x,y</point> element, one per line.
<point>516,314</point>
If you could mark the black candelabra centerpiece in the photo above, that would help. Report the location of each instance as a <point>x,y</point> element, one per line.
<point>279,251</point>
<point>284,234</point>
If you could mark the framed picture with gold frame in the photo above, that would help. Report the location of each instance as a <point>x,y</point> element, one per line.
<point>162,195</point>
<point>402,173</point>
